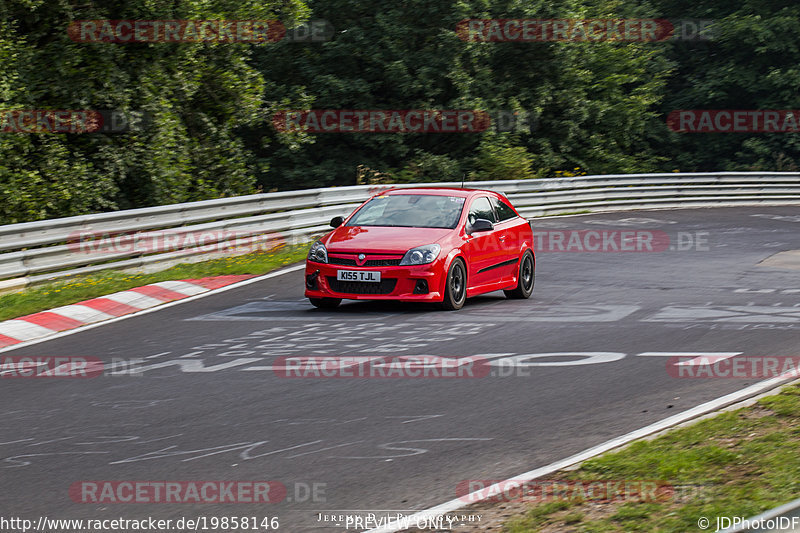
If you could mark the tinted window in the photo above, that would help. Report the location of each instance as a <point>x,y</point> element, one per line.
<point>481,208</point>
<point>504,212</point>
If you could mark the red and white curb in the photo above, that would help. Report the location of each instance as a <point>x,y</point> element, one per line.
<point>46,323</point>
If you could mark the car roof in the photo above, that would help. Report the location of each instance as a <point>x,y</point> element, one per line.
<point>441,191</point>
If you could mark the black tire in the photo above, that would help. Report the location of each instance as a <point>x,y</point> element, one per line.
<point>525,278</point>
<point>455,287</point>
<point>325,303</point>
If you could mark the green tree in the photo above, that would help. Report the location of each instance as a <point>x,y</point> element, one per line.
<point>750,63</point>
<point>198,95</point>
<point>594,103</point>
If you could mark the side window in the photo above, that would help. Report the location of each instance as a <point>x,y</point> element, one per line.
<point>481,208</point>
<point>504,212</point>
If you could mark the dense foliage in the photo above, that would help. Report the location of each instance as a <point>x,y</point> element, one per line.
<point>593,107</point>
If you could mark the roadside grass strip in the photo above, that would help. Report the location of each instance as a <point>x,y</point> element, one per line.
<point>735,464</point>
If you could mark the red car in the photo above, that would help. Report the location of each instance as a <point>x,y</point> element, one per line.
<point>425,244</point>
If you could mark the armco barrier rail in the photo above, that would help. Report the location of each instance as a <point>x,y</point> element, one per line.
<point>783,519</point>
<point>37,251</point>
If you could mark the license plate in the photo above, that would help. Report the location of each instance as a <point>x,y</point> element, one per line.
<point>358,275</point>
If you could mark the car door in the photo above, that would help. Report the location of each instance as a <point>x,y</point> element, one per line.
<point>484,250</point>
<point>508,236</point>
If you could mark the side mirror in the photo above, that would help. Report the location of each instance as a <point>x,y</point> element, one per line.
<point>337,221</point>
<point>480,224</point>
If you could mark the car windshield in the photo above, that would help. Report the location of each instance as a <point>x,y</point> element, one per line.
<point>410,211</point>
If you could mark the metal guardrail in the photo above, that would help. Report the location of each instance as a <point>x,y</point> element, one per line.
<point>157,237</point>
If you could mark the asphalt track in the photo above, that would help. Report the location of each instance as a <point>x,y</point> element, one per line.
<point>205,404</point>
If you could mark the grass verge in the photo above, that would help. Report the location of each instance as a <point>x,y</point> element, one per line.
<point>738,463</point>
<point>76,289</point>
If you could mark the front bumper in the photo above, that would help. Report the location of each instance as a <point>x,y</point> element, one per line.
<point>397,282</point>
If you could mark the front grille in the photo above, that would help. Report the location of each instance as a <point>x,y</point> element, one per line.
<point>385,286</point>
<point>346,261</point>
<point>341,261</point>
<point>382,262</point>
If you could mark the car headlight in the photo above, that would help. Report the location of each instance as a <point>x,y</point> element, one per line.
<point>318,253</point>
<point>421,255</point>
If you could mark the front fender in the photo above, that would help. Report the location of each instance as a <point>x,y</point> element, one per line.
<point>448,261</point>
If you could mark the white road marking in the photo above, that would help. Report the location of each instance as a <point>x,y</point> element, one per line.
<point>304,366</point>
<point>757,291</point>
<point>727,313</point>
<point>699,358</point>
<point>15,367</point>
<point>705,360</point>
<point>578,358</point>
<point>414,418</point>
<point>194,365</point>
<point>543,313</point>
<point>156,355</point>
<point>15,459</point>
<point>170,451</point>
<point>245,455</point>
<point>788,218</point>
<point>271,312</point>
<point>15,441</point>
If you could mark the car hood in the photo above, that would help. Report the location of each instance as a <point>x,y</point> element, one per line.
<point>381,239</point>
